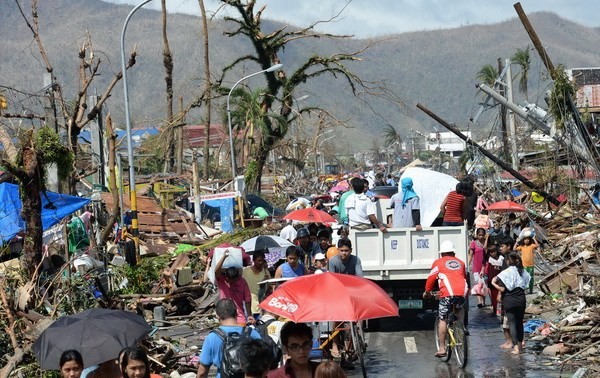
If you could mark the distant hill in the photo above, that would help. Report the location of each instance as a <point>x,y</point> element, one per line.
<point>436,68</point>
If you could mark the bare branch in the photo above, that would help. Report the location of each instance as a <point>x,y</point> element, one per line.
<point>96,109</point>
<point>23,116</point>
<point>35,30</point>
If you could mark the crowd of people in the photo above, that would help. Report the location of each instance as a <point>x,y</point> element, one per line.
<point>500,266</point>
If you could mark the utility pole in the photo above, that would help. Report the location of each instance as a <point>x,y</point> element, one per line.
<point>511,117</point>
<point>503,125</point>
<point>196,186</point>
<point>550,67</point>
<point>491,156</point>
<point>180,134</point>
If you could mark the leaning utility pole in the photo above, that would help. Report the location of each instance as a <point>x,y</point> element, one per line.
<point>589,144</point>
<point>491,156</point>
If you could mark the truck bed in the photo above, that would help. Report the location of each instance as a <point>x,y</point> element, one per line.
<point>404,253</point>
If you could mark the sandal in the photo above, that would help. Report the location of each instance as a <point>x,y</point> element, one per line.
<point>440,355</point>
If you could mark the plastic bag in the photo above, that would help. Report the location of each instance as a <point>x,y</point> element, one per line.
<point>480,289</point>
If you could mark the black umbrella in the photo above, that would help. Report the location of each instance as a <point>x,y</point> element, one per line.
<point>265,242</point>
<point>98,334</point>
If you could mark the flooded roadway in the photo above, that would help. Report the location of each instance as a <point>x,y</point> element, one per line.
<point>409,352</point>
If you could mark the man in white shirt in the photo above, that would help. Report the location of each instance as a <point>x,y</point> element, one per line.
<point>361,209</point>
<point>288,232</point>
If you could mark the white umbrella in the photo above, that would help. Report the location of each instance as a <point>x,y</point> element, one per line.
<point>265,242</point>
<point>432,187</point>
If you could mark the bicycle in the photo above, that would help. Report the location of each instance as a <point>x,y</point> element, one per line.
<point>352,349</point>
<point>456,339</point>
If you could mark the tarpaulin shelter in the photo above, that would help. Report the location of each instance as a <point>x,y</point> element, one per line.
<point>432,187</point>
<point>55,207</point>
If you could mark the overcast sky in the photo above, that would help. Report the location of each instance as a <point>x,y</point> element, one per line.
<point>368,18</point>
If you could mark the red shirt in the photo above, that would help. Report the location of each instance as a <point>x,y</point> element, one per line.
<point>238,292</point>
<point>451,275</point>
<point>454,207</point>
<point>286,370</point>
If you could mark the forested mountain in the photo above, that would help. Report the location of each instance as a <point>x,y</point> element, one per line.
<point>436,68</point>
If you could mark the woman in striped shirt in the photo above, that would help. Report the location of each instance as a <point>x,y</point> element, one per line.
<point>452,207</point>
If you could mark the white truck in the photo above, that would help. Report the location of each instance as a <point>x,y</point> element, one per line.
<point>400,259</point>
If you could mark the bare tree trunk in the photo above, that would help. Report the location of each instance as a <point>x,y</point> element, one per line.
<point>31,183</point>
<point>207,91</point>
<point>112,180</point>
<point>262,155</point>
<point>168,64</point>
<point>6,141</point>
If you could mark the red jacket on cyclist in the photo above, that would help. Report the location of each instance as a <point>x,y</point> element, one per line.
<point>450,273</point>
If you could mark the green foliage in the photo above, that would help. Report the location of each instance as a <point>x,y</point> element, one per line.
<point>51,150</point>
<point>141,278</point>
<point>154,147</point>
<point>523,59</point>
<point>75,295</point>
<point>391,136</point>
<point>425,155</point>
<point>251,174</point>
<point>488,75</point>
<point>559,96</point>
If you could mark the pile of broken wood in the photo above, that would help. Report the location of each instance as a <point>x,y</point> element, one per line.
<point>571,292</point>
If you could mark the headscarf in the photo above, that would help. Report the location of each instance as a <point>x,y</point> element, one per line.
<point>407,190</point>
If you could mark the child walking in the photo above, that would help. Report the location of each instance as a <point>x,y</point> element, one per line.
<point>493,267</point>
<point>527,251</point>
<point>477,258</point>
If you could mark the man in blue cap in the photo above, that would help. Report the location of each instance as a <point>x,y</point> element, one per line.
<point>407,206</point>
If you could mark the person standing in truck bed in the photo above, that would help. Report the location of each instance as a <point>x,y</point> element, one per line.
<point>361,209</point>
<point>407,206</point>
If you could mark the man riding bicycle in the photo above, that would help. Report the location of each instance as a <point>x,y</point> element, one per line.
<point>451,275</point>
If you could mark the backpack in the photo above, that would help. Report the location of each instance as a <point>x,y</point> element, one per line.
<point>230,350</point>
<point>262,329</point>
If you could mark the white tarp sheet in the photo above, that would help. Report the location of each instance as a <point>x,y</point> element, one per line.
<point>432,188</point>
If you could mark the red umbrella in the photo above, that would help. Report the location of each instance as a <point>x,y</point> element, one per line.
<point>330,297</point>
<point>506,207</point>
<point>310,214</point>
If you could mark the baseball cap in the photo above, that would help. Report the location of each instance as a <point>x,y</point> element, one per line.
<point>319,256</point>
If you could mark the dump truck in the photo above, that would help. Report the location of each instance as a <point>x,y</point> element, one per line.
<point>400,259</point>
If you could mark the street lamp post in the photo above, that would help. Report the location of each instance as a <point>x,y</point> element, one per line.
<point>132,194</point>
<point>270,69</point>
<point>322,157</point>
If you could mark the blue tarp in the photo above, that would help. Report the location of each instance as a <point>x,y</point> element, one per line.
<point>11,222</point>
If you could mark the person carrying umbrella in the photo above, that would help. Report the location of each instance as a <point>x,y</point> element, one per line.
<point>71,364</point>
<point>345,263</point>
<point>133,362</point>
<point>254,274</point>
<point>296,339</point>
